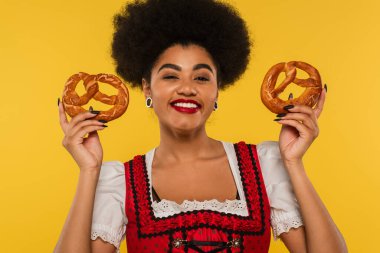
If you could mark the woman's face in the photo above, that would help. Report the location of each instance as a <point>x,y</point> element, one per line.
<point>183,87</point>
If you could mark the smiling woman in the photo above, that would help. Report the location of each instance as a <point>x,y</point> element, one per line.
<point>183,88</point>
<point>192,193</point>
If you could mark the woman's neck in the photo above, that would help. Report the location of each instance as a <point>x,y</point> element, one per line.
<point>183,147</point>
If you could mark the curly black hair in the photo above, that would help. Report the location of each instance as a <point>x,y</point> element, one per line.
<point>144,29</point>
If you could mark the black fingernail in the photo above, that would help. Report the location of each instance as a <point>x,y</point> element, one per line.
<point>58,101</point>
<point>277,119</point>
<point>90,109</point>
<point>288,107</point>
<point>290,96</point>
<point>326,87</point>
<point>105,126</point>
<point>281,115</point>
<point>102,121</point>
<point>95,112</point>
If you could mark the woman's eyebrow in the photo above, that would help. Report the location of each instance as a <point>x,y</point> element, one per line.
<point>171,66</point>
<point>203,65</point>
<point>178,68</point>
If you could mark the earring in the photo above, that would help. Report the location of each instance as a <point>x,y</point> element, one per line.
<point>148,102</point>
<point>216,105</point>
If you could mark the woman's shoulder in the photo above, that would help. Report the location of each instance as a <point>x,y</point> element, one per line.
<point>267,148</point>
<point>111,170</point>
<point>113,163</point>
<point>116,168</point>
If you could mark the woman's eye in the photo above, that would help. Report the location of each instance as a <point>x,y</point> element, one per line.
<point>201,78</point>
<point>170,77</point>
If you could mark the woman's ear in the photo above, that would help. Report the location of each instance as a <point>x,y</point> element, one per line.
<point>146,88</point>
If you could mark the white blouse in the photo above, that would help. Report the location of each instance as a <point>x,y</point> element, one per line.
<point>109,219</point>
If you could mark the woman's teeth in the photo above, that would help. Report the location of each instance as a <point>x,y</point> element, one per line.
<point>186,105</point>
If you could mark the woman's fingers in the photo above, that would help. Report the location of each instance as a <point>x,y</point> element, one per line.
<point>73,140</point>
<point>303,109</point>
<point>88,129</point>
<point>78,127</point>
<point>301,128</point>
<point>66,125</point>
<point>82,116</point>
<point>87,152</point>
<point>76,134</point>
<point>302,118</point>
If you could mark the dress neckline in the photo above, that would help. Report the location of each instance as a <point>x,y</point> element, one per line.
<point>232,161</point>
<point>150,221</point>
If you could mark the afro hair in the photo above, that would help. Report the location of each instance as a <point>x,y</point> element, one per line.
<point>144,29</point>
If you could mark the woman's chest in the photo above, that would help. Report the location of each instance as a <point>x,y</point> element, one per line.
<point>197,180</point>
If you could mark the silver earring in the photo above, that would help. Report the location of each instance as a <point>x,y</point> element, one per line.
<point>149,102</point>
<point>216,105</point>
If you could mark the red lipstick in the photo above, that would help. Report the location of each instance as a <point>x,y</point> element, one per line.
<point>186,105</point>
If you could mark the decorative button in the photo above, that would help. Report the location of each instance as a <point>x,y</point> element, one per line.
<point>235,243</point>
<point>178,242</point>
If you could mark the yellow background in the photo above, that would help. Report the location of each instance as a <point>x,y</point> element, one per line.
<point>44,42</point>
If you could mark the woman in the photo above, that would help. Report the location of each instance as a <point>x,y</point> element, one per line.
<point>192,193</point>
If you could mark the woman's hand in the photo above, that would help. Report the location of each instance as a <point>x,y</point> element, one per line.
<point>87,152</point>
<point>299,130</point>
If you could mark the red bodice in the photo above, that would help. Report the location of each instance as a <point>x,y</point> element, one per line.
<point>202,230</point>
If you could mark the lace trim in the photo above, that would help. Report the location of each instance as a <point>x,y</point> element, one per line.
<point>108,234</point>
<point>165,208</point>
<point>282,222</point>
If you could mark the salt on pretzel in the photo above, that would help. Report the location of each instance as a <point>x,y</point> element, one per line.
<point>270,93</point>
<point>73,103</point>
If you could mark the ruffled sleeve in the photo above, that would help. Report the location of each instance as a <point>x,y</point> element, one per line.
<point>109,220</point>
<point>285,213</point>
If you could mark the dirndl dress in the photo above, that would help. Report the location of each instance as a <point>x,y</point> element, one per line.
<point>199,230</point>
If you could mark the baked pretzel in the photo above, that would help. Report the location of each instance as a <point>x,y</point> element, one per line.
<point>269,94</point>
<point>73,103</point>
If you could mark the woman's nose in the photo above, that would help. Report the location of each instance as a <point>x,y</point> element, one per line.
<point>187,88</point>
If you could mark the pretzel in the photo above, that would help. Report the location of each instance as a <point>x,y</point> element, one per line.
<point>269,94</point>
<point>73,103</point>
